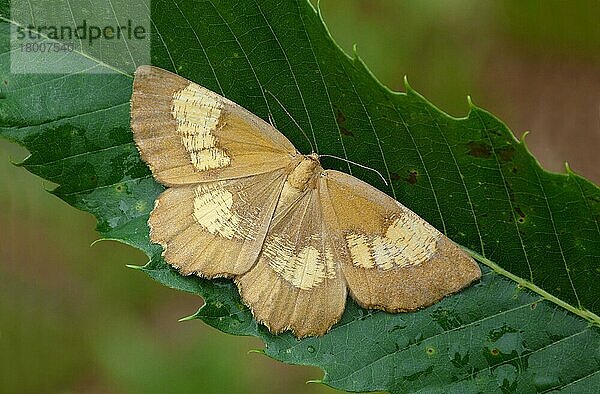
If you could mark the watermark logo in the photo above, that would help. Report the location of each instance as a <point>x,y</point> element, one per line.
<point>79,36</point>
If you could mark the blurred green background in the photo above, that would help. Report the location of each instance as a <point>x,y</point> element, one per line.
<point>74,319</point>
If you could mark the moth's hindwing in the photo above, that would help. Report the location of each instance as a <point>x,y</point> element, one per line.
<point>189,134</point>
<point>297,283</point>
<point>396,261</point>
<point>215,228</point>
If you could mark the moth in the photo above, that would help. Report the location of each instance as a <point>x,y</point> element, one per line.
<point>241,202</point>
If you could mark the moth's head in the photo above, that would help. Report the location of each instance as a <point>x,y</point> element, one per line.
<point>309,165</point>
<point>314,157</point>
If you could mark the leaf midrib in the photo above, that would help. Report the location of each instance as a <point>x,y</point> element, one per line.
<point>584,313</point>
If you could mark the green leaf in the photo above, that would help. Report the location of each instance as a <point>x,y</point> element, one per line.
<point>530,325</point>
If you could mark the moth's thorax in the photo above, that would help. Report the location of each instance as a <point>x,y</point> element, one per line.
<point>304,173</point>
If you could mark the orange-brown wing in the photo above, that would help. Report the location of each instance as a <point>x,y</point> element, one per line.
<point>216,228</point>
<point>189,134</point>
<point>396,260</point>
<point>297,283</point>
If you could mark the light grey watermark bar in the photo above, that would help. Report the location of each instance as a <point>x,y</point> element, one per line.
<point>79,36</point>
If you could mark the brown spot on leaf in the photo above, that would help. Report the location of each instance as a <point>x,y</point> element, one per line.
<point>412,177</point>
<point>495,351</point>
<point>506,154</point>
<point>479,149</point>
<point>345,131</point>
<point>395,176</point>
<point>521,214</point>
<point>340,118</point>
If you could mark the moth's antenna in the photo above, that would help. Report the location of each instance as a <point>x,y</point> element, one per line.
<point>271,120</point>
<point>293,120</point>
<point>270,115</point>
<point>359,165</point>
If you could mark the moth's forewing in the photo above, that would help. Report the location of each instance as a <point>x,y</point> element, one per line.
<point>297,283</point>
<point>225,166</point>
<point>189,134</point>
<point>396,260</point>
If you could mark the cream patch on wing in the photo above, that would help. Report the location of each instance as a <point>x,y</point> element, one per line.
<point>214,211</point>
<point>197,111</point>
<point>408,241</point>
<point>304,267</point>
